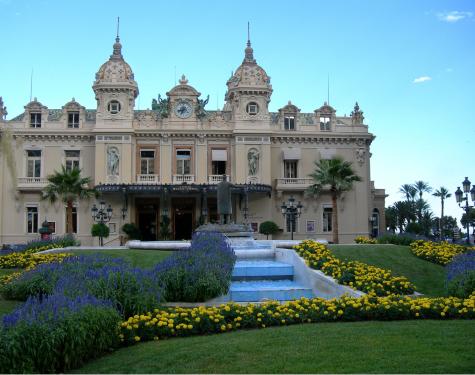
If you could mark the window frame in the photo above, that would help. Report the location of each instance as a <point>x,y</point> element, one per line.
<point>150,169</point>
<point>248,108</point>
<point>183,163</point>
<point>27,222</point>
<point>35,160</point>
<point>35,124</point>
<point>73,124</point>
<point>114,107</point>
<point>72,159</point>
<point>325,125</point>
<point>327,223</point>
<point>295,169</point>
<point>289,122</point>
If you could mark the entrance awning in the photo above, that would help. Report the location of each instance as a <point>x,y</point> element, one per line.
<point>183,188</point>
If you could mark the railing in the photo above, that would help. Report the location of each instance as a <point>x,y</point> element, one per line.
<point>253,180</point>
<point>32,182</point>
<point>183,178</point>
<point>148,178</point>
<point>293,183</point>
<point>216,178</point>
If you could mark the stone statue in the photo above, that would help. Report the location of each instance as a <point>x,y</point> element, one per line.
<point>253,161</point>
<point>161,105</point>
<point>200,107</point>
<point>225,208</point>
<point>112,161</point>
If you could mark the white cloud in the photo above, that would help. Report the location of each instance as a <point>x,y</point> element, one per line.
<point>453,16</point>
<point>421,79</point>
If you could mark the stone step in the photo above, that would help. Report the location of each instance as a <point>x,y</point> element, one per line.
<point>254,254</point>
<point>262,270</point>
<point>256,291</point>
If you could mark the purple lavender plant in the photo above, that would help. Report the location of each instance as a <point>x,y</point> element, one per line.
<point>460,280</point>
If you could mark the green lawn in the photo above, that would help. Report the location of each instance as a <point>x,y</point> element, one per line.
<point>429,278</point>
<point>362,347</point>
<point>138,258</point>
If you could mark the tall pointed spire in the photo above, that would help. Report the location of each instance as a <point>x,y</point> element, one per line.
<point>117,48</point>
<point>249,52</point>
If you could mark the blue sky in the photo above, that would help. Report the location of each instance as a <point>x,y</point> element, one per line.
<point>409,64</point>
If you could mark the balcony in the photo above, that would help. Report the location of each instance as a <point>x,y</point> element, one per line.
<point>183,178</point>
<point>32,183</point>
<point>148,178</point>
<point>292,184</point>
<point>216,178</point>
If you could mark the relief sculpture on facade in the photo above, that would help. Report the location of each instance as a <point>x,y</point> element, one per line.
<point>253,161</point>
<point>112,161</point>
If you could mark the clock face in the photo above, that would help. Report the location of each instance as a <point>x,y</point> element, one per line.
<point>183,110</point>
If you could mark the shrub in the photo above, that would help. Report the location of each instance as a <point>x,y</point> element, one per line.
<point>396,239</point>
<point>100,230</point>
<point>268,227</point>
<point>199,273</point>
<point>365,240</point>
<point>52,243</point>
<point>56,334</point>
<point>132,231</point>
<point>131,290</point>
<point>461,275</point>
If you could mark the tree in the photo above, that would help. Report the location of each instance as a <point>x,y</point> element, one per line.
<point>268,227</point>
<point>471,219</point>
<point>443,194</point>
<point>409,191</point>
<point>68,185</point>
<point>422,187</point>
<point>404,214</point>
<point>391,218</point>
<point>340,177</point>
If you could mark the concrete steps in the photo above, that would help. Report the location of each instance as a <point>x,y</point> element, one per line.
<point>258,277</point>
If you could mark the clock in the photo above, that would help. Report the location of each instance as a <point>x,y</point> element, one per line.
<point>183,109</point>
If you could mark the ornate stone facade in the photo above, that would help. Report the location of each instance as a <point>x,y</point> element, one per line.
<point>166,162</point>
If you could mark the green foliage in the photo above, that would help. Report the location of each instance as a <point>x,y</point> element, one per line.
<point>55,346</point>
<point>463,285</point>
<point>414,228</point>
<point>100,230</point>
<point>268,227</point>
<point>132,231</point>
<point>395,239</point>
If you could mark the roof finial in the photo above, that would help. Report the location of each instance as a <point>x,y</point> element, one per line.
<point>249,52</point>
<point>118,21</point>
<point>117,48</point>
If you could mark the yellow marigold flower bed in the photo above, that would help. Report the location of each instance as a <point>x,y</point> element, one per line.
<point>365,240</point>
<point>357,275</point>
<point>437,252</point>
<point>178,321</point>
<point>28,260</point>
<point>43,248</point>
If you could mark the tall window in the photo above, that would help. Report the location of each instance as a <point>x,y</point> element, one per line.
<point>147,162</point>
<point>33,163</point>
<point>327,219</point>
<point>73,119</point>
<point>72,159</point>
<point>35,120</point>
<point>219,167</point>
<point>252,108</point>
<point>183,161</point>
<point>219,159</point>
<point>325,123</point>
<point>290,168</point>
<point>289,123</point>
<point>32,219</point>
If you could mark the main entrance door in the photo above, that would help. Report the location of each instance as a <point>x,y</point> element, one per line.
<point>147,220</point>
<point>183,217</point>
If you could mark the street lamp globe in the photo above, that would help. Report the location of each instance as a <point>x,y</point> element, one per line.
<point>458,195</point>
<point>472,193</point>
<point>466,185</point>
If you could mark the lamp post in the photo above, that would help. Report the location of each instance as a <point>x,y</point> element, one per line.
<point>101,215</point>
<point>460,198</point>
<point>291,211</point>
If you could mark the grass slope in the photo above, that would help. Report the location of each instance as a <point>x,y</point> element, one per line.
<point>362,347</point>
<point>429,278</point>
<point>138,258</point>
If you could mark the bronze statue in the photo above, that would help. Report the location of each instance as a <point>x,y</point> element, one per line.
<point>225,208</point>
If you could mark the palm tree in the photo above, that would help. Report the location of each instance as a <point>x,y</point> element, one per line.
<point>422,187</point>
<point>405,214</point>
<point>68,185</point>
<point>339,176</point>
<point>443,194</point>
<point>409,191</point>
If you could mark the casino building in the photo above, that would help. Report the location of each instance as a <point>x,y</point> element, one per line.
<point>159,168</point>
